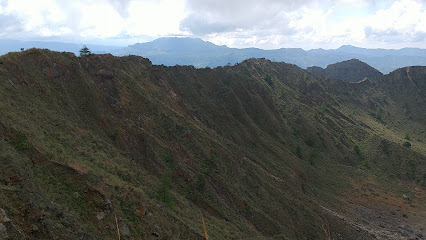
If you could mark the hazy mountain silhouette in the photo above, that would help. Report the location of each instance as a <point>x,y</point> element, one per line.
<point>196,52</point>
<point>192,51</point>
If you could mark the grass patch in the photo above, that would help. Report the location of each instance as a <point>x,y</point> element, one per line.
<point>20,142</point>
<point>407,137</point>
<point>163,189</point>
<point>309,141</point>
<point>298,152</point>
<point>357,149</point>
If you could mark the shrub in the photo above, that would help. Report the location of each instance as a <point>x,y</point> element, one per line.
<point>312,158</point>
<point>406,144</point>
<point>299,152</point>
<point>378,115</point>
<point>366,164</point>
<point>213,158</point>
<point>163,191</point>
<point>201,183</point>
<point>268,80</point>
<point>296,131</point>
<point>20,142</point>
<point>169,161</point>
<point>357,149</point>
<point>115,135</point>
<point>407,137</point>
<point>309,141</point>
<point>323,107</point>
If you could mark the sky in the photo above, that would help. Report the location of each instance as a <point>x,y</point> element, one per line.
<point>267,24</point>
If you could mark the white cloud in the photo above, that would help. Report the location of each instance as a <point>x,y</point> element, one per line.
<point>100,20</point>
<point>238,23</point>
<point>93,19</point>
<point>405,18</point>
<point>155,17</point>
<point>362,23</point>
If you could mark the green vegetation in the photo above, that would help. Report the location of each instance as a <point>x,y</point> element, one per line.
<point>406,144</point>
<point>357,149</point>
<point>309,141</point>
<point>365,164</point>
<point>296,131</point>
<point>378,115</point>
<point>201,184</point>
<point>299,152</point>
<point>86,140</point>
<point>313,157</point>
<point>169,161</point>
<point>268,80</point>
<point>163,190</point>
<point>407,137</point>
<point>115,135</point>
<point>85,51</point>
<point>323,107</point>
<point>20,142</point>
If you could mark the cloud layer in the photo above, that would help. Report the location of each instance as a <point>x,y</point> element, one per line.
<point>237,23</point>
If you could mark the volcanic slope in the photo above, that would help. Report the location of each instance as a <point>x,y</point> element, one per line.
<point>350,71</point>
<point>259,150</point>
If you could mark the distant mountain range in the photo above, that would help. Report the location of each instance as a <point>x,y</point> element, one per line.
<point>199,53</point>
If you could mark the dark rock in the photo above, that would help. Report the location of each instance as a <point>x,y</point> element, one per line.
<point>161,205</point>
<point>3,216</point>
<point>2,228</point>
<point>100,215</point>
<point>34,228</point>
<point>104,73</point>
<point>125,230</point>
<point>3,231</point>
<point>155,234</point>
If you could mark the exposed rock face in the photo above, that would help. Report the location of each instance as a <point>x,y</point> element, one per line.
<point>350,71</point>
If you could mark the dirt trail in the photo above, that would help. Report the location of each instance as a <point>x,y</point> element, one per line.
<point>409,77</point>
<point>266,172</point>
<point>377,233</point>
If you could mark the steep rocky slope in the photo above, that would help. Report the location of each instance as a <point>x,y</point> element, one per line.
<point>259,150</point>
<point>350,71</point>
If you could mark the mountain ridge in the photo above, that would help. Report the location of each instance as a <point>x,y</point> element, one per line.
<point>352,70</point>
<point>385,60</point>
<point>262,149</point>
